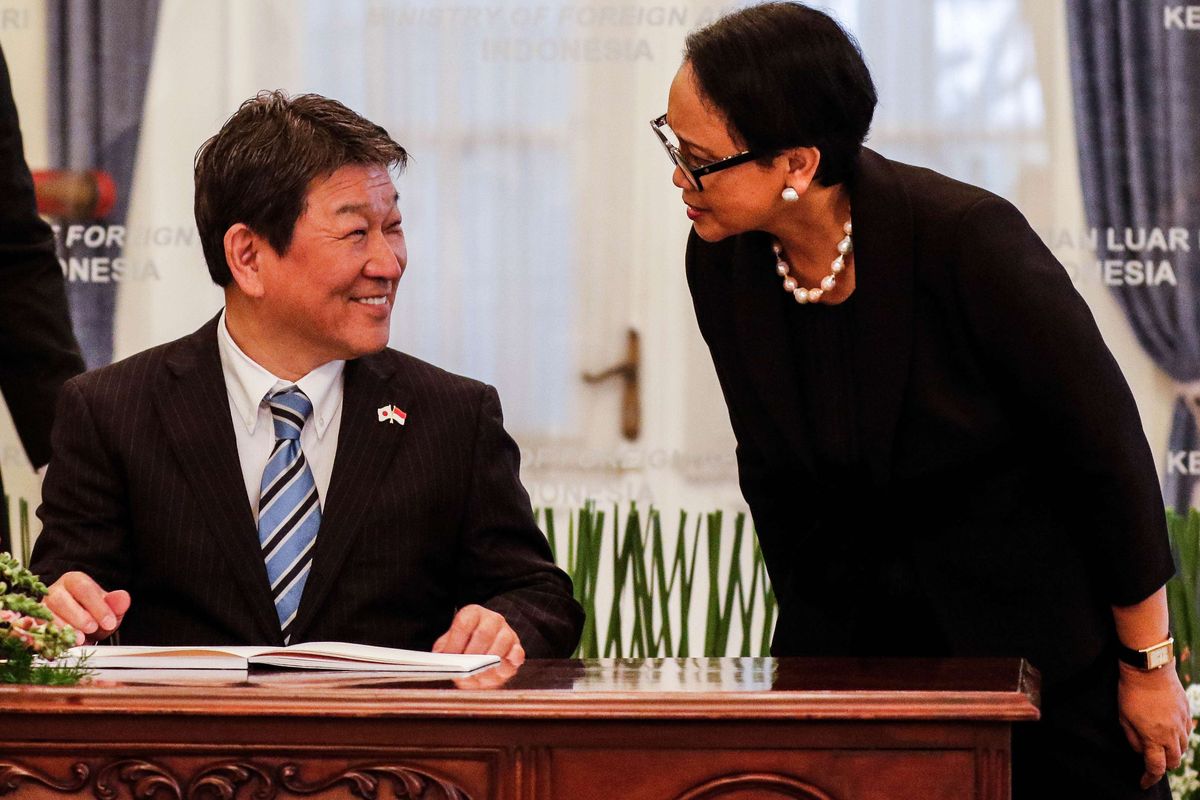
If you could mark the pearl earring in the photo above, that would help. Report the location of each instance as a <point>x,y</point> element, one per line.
<point>789,195</point>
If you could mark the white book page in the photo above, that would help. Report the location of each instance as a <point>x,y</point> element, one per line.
<point>171,657</point>
<point>343,655</point>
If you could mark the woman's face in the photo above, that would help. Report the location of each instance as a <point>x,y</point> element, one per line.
<point>735,200</point>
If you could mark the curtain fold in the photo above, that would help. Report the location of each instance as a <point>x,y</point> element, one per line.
<point>100,60</point>
<point>1137,115</point>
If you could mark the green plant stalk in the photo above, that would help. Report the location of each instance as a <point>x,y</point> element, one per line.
<point>642,630</point>
<point>768,628</point>
<point>1183,592</point>
<point>732,586</point>
<point>581,546</point>
<point>713,617</point>
<point>746,606</point>
<point>687,579</point>
<point>23,527</point>
<point>595,545</point>
<point>643,587</point>
<point>665,588</point>
<point>613,644</point>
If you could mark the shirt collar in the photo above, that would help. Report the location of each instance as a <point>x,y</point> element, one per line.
<point>249,384</point>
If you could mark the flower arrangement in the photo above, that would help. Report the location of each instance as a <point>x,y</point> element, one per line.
<point>1185,781</point>
<point>28,635</point>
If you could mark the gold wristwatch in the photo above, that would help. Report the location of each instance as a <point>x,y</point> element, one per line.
<point>1148,658</point>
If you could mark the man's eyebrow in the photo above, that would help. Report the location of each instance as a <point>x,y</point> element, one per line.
<point>363,208</point>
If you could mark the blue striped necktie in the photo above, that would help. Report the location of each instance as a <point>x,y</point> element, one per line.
<point>288,511</point>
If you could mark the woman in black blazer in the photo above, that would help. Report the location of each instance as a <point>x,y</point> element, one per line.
<point>939,452</point>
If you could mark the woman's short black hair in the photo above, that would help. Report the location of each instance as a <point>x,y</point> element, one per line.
<point>786,75</point>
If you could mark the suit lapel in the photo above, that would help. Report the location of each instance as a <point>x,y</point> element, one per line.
<point>365,450</point>
<point>883,248</point>
<point>194,407</point>
<point>764,341</point>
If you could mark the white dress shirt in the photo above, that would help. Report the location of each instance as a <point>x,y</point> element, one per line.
<point>248,386</point>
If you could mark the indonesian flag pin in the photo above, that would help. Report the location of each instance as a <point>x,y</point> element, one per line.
<point>392,414</point>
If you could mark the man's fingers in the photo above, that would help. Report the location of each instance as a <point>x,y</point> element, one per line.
<point>477,630</point>
<point>118,601</point>
<point>515,655</point>
<point>80,602</point>
<point>490,625</point>
<point>65,609</point>
<point>455,640</point>
<point>89,595</point>
<point>1156,764</point>
<point>494,638</point>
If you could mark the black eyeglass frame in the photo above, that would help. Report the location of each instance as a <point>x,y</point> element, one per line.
<point>695,173</point>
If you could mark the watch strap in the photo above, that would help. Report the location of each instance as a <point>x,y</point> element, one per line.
<point>1148,658</point>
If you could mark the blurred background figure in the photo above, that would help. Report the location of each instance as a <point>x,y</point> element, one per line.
<point>38,351</point>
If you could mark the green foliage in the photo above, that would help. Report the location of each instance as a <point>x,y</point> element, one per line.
<point>1183,592</point>
<point>652,583</point>
<point>19,665</point>
<point>28,631</point>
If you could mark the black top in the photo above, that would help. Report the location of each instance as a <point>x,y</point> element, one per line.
<point>822,346</point>
<point>898,618</point>
<point>1002,451</point>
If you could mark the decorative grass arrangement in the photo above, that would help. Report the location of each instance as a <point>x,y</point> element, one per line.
<point>1183,599</point>
<point>24,539</point>
<point>1183,593</point>
<point>652,578</point>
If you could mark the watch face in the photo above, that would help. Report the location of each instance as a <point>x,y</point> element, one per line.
<point>1158,656</point>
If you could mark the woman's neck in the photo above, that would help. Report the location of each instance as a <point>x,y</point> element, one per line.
<point>810,229</point>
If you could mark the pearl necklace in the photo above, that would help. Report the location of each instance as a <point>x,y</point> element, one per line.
<point>802,295</point>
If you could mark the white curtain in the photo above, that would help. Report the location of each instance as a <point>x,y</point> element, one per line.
<point>539,210</point>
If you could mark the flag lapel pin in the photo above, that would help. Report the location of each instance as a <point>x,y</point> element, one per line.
<point>392,414</point>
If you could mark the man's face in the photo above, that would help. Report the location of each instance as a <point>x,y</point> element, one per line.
<point>330,296</point>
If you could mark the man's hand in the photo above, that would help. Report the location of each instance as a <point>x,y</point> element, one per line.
<point>1155,715</point>
<point>477,630</point>
<point>77,600</point>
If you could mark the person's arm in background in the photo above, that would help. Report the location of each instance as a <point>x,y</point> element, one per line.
<point>38,351</point>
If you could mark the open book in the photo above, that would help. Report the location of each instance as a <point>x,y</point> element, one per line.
<point>309,655</point>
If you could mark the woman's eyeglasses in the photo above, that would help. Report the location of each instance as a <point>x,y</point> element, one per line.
<point>670,143</point>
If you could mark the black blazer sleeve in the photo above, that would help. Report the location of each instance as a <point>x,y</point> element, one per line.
<point>1045,352</point>
<point>506,564</point>
<point>38,351</point>
<point>84,512</point>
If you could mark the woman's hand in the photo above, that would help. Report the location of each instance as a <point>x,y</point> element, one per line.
<point>1155,715</point>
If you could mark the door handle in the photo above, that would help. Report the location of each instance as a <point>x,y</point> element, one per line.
<point>628,370</point>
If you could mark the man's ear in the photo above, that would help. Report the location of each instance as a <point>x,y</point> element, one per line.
<point>802,163</point>
<point>244,252</point>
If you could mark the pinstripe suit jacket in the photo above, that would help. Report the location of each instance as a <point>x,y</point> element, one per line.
<point>145,492</point>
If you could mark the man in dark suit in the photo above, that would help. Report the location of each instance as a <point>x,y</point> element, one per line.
<point>279,475</point>
<point>38,351</point>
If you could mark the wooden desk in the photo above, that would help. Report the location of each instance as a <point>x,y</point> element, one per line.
<point>690,729</point>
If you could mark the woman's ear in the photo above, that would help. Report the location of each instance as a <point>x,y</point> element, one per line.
<point>802,163</point>
<point>243,254</point>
